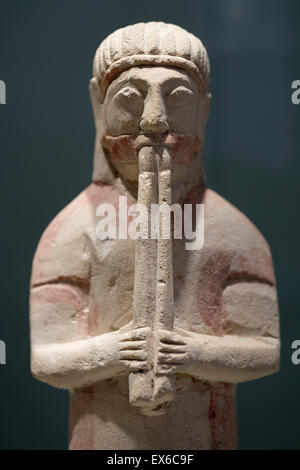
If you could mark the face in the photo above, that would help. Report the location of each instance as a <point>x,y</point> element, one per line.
<point>154,100</point>
<point>144,103</point>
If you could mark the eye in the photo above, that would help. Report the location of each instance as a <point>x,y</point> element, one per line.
<point>128,94</point>
<point>180,95</point>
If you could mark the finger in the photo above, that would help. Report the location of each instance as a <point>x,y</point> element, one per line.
<point>135,366</point>
<point>172,348</point>
<point>171,358</point>
<point>170,338</point>
<point>132,345</point>
<point>130,355</point>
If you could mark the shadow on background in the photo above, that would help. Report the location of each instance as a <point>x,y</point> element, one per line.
<point>47,134</point>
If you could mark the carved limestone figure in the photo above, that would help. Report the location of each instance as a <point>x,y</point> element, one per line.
<point>150,337</point>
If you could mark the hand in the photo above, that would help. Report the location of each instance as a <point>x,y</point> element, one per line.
<point>176,353</point>
<point>131,349</point>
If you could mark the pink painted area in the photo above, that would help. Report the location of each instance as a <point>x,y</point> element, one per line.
<point>63,295</point>
<point>51,233</point>
<point>234,250</point>
<point>222,417</point>
<point>98,193</point>
<point>251,257</point>
<point>58,294</point>
<point>213,270</point>
<point>103,194</point>
<point>69,289</point>
<point>82,420</point>
<point>209,292</point>
<point>125,148</point>
<point>85,203</point>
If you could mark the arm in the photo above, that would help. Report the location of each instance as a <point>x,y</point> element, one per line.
<point>62,352</point>
<point>249,348</point>
<point>83,362</point>
<point>227,358</point>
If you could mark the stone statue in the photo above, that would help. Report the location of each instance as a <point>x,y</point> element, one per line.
<point>149,335</point>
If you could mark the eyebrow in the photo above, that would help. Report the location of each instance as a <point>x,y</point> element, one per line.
<point>142,82</point>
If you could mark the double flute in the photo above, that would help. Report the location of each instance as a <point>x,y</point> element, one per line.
<point>153,296</point>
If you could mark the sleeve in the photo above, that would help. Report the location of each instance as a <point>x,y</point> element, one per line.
<point>249,299</point>
<point>60,281</point>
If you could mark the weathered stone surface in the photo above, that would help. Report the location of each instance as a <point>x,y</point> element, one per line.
<point>147,335</point>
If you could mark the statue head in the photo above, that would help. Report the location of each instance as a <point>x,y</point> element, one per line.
<point>149,87</point>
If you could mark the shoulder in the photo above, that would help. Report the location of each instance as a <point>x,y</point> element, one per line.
<point>230,231</point>
<point>63,250</point>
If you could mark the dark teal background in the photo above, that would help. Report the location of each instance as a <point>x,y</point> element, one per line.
<point>46,147</point>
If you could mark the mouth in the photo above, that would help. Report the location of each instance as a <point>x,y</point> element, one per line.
<point>137,141</point>
<point>155,140</point>
<point>125,148</point>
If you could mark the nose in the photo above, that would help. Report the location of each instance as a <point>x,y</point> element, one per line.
<point>154,117</point>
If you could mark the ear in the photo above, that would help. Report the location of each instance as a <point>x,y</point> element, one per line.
<point>95,97</point>
<point>207,105</point>
<point>102,171</point>
<point>205,101</point>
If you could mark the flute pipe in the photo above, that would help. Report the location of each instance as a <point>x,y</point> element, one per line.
<point>145,248</point>
<point>153,283</point>
<point>164,287</point>
<point>164,386</point>
<point>141,384</point>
